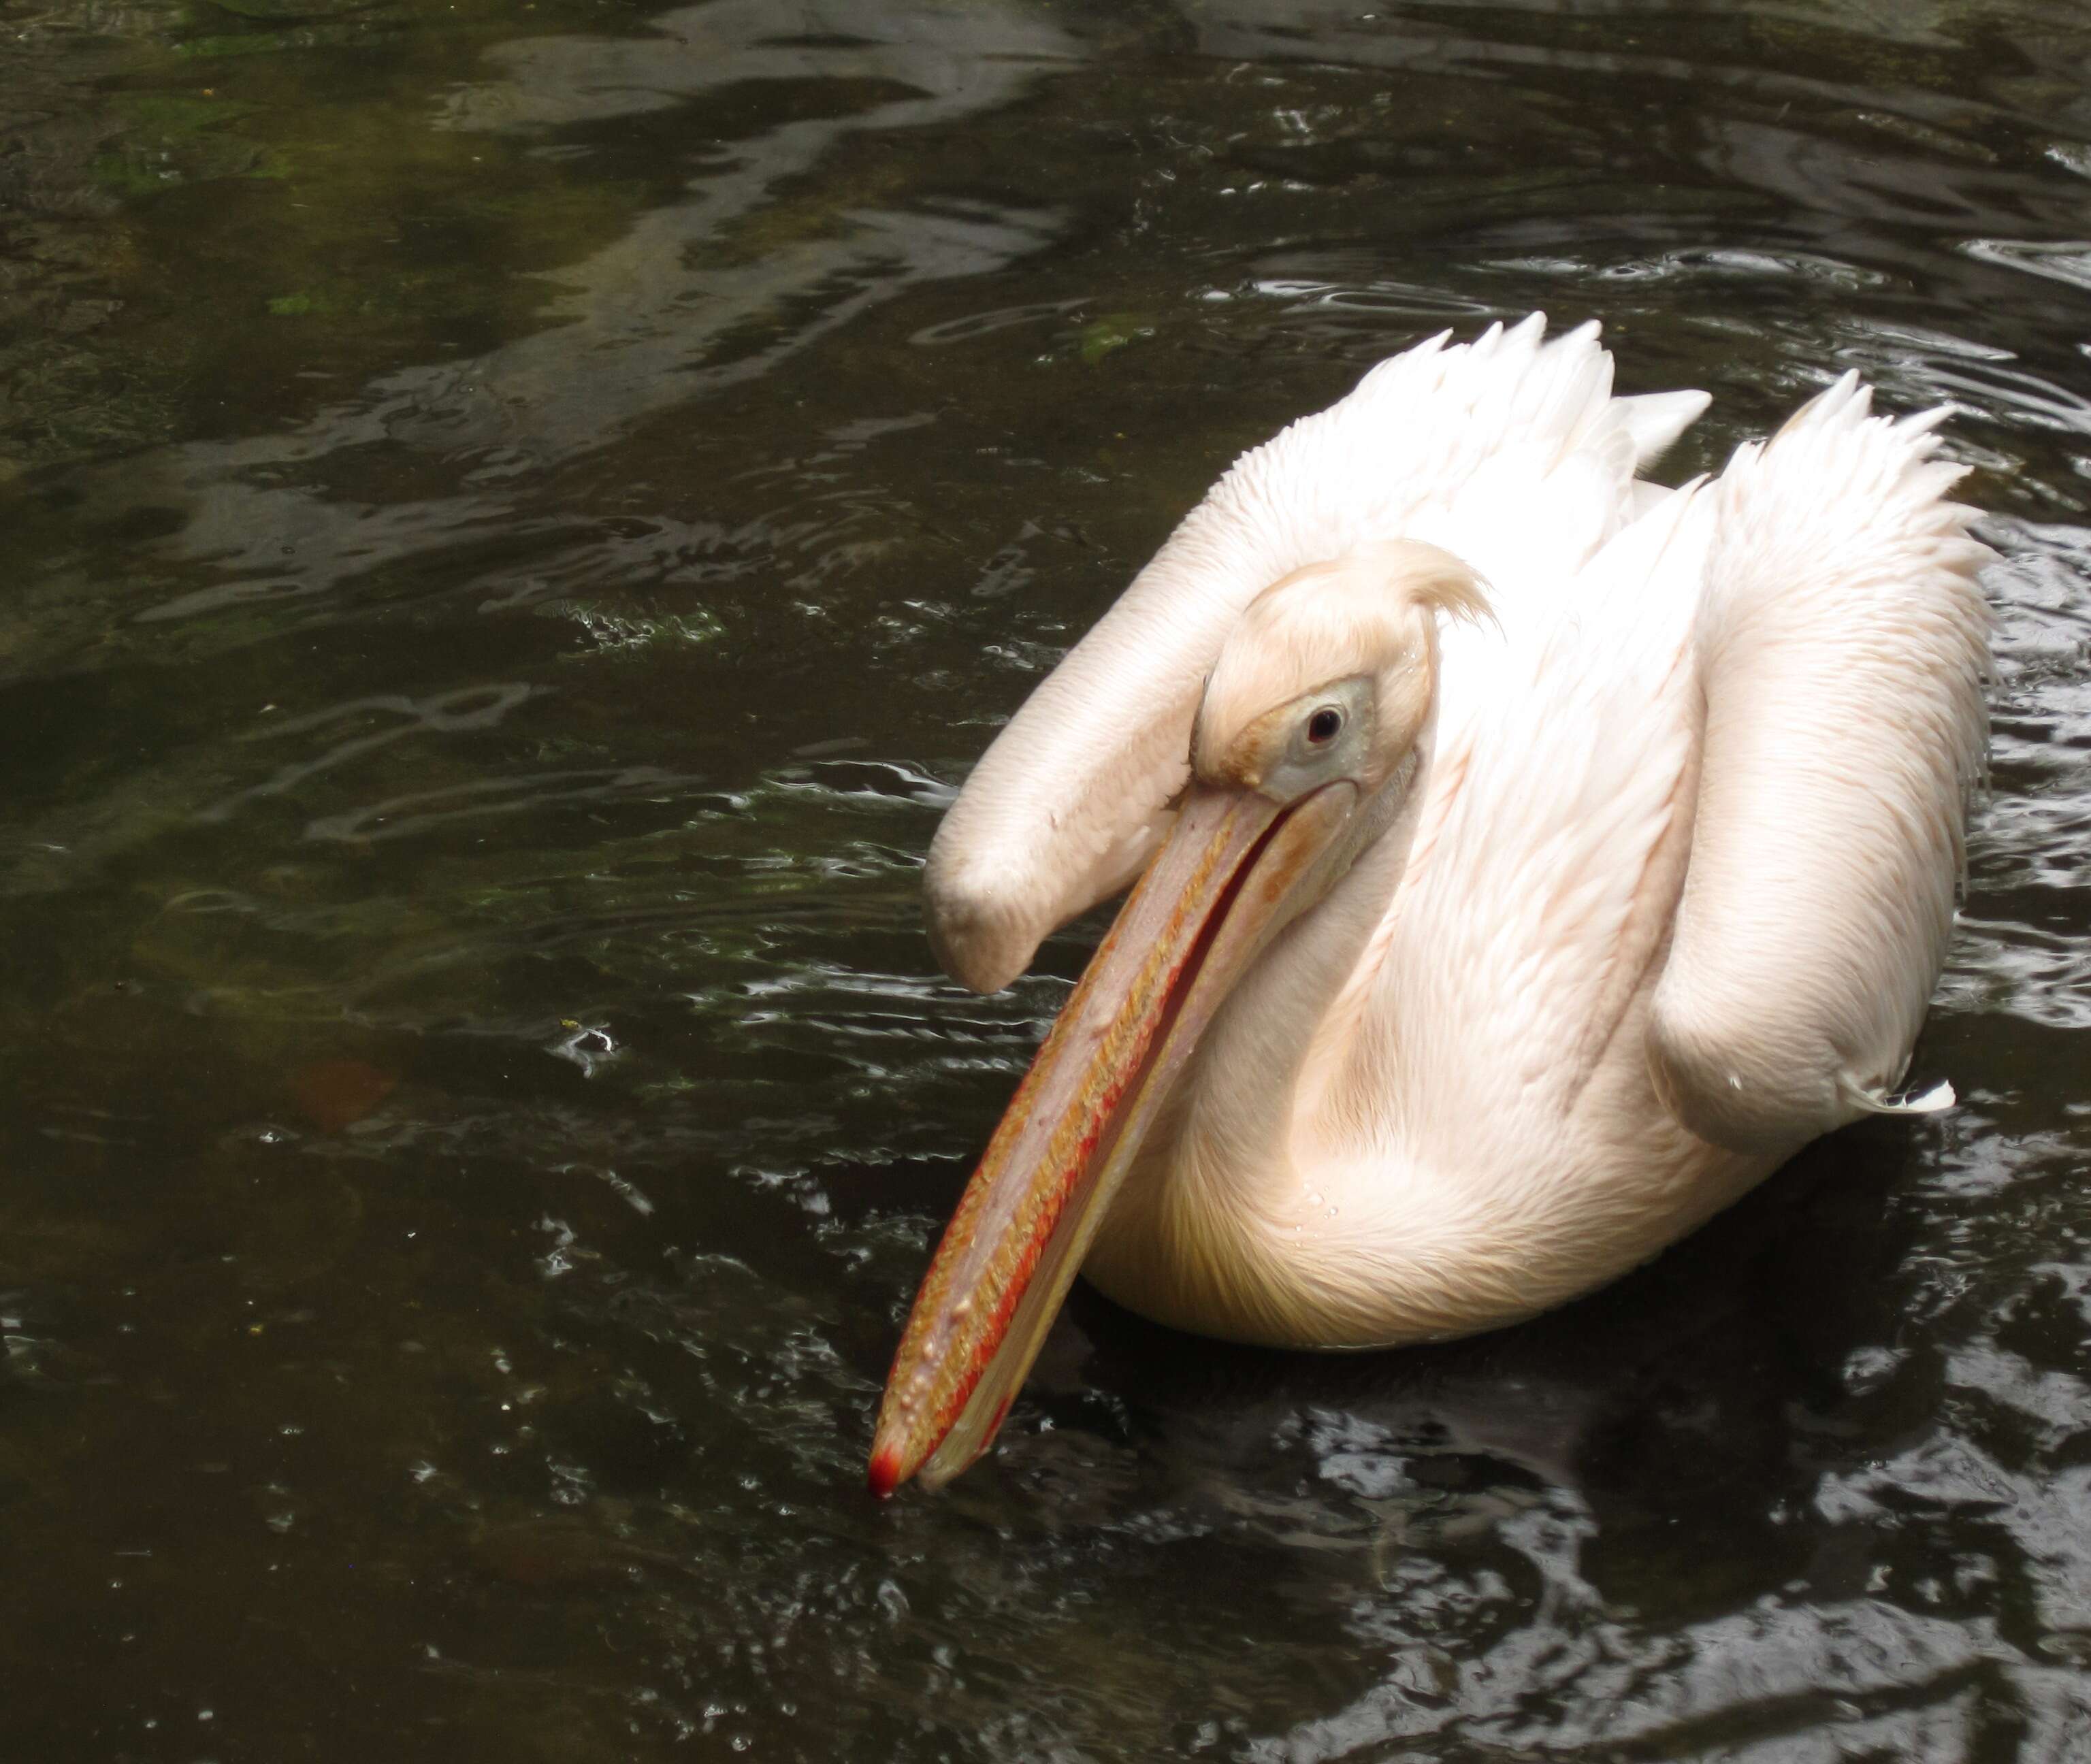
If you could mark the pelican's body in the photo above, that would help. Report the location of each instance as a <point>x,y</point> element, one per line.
<point>1563,852</point>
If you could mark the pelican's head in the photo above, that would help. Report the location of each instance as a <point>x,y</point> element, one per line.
<point>1303,745</point>
<point>1331,675</point>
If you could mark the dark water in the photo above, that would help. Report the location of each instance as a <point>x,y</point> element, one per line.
<point>516,516</point>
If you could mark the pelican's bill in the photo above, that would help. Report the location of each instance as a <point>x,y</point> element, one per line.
<point>1229,875</point>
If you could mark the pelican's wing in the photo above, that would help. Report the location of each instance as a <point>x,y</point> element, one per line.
<point>1509,451</point>
<point>1841,645</point>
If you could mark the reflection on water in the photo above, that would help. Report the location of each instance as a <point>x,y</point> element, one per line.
<point>521,516</point>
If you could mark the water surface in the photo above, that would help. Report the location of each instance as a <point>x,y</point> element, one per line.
<point>519,515</point>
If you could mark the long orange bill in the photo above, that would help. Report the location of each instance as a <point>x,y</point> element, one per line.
<point>1235,870</point>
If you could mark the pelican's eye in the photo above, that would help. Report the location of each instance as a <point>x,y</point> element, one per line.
<point>1324,726</point>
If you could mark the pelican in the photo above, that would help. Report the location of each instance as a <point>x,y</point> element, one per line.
<point>1529,859</point>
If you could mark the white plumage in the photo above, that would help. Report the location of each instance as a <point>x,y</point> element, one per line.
<point>1661,895</point>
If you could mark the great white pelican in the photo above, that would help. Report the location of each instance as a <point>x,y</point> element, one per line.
<point>1529,859</point>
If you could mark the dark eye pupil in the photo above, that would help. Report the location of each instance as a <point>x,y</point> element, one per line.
<point>1323,725</point>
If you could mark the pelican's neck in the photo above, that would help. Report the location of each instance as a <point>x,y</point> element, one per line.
<point>1426,1110</point>
<point>1222,1180</point>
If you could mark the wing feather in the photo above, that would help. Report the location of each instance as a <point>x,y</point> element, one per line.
<point>1842,645</point>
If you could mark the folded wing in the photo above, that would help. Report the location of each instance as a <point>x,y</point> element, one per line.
<point>1841,646</point>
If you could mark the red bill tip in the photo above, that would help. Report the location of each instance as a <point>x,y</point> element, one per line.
<point>884,1476</point>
